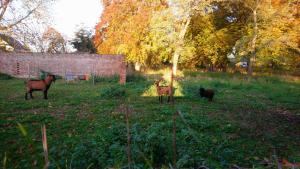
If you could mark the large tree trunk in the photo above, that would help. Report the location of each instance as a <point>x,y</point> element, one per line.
<point>253,44</point>
<point>137,66</point>
<point>179,45</point>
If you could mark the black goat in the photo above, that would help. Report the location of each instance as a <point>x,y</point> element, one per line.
<point>208,93</point>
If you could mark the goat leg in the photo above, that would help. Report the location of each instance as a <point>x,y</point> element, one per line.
<point>26,95</point>
<point>31,94</point>
<point>45,95</point>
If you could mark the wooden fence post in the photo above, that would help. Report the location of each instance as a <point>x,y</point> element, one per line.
<point>174,140</point>
<point>45,146</point>
<point>128,138</point>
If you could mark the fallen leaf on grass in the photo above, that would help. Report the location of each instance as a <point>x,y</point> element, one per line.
<point>286,163</point>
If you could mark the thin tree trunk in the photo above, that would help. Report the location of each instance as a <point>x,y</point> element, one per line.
<point>179,45</point>
<point>172,92</point>
<point>253,48</point>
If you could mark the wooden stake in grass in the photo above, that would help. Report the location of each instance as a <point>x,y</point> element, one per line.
<point>174,140</point>
<point>45,146</point>
<point>4,161</point>
<point>276,159</point>
<point>128,138</point>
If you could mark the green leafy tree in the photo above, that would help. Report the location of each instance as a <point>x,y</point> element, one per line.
<point>83,41</point>
<point>159,41</point>
<point>212,35</point>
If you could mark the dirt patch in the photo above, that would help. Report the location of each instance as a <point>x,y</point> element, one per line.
<point>85,115</point>
<point>286,115</point>
<point>57,115</point>
<point>262,122</point>
<point>122,109</point>
<point>61,113</point>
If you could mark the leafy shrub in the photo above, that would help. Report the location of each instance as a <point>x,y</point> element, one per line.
<point>58,77</point>
<point>113,91</point>
<point>43,74</point>
<point>5,76</point>
<point>136,77</point>
<point>88,153</point>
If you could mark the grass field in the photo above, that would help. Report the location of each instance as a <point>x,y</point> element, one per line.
<point>252,123</point>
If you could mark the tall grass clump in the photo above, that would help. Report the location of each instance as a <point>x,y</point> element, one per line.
<point>135,77</point>
<point>113,91</point>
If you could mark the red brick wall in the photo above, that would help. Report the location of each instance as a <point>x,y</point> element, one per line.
<point>25,64</point>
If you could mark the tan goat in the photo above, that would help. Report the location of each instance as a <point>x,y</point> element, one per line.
<point>39,85</point>
<point>163,90</point>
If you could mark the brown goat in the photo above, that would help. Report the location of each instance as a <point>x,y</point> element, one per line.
<point>208,93</point>
<point>163,90</point>
<point>39,85</point>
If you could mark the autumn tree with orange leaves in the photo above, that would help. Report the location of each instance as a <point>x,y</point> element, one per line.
<point>124,26</point>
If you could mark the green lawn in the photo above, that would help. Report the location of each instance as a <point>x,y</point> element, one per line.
<point>250,122</point>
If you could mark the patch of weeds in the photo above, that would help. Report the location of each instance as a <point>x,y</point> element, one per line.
<point>273,79</point>
<point>106,79</point>
<point>113,91</point>
<point>136,77</point>
<point>58,77</point>
<point>88,153</point>
<point>220,84</point>
<point>5,76</point>
<point>191,73</point>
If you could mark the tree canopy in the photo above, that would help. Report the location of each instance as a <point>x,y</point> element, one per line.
<point>202,33</point>
<point>83,41</point>
<point>23,20</point>
<point>53,41</point>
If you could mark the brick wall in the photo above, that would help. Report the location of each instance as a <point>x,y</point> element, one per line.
<point>29,64</point>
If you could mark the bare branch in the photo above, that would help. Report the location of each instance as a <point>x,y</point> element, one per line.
<point>20,20</point>
<point>30,12</point>
<point>4,5</point>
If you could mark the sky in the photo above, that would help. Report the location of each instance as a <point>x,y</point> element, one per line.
<point>70,15</point>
